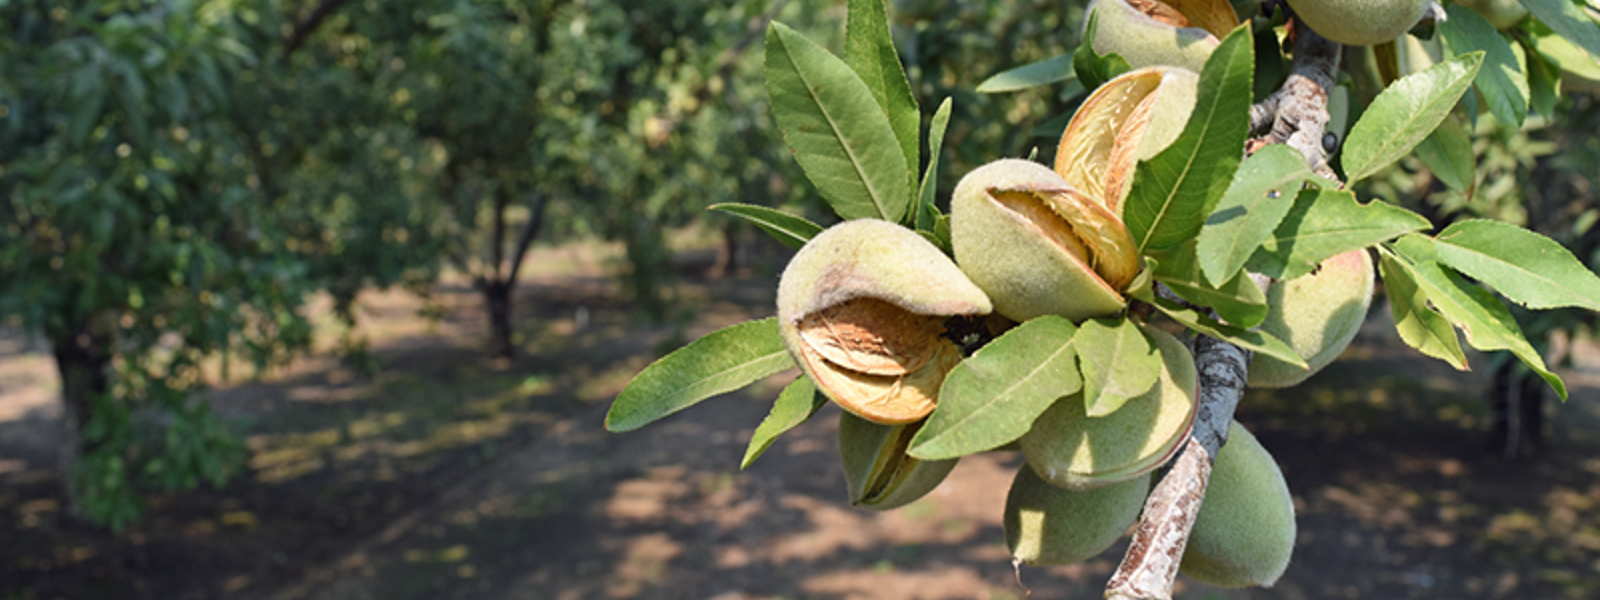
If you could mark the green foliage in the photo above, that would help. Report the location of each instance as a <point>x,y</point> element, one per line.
<point>1254,205</point>
<point>719,362</point>
<point>1173,193</point>
<point>928,217</point>
<point>795,404</point>
<point>993,396</point>
<point>1404,114</point>
<point>1486,322</point>
<point>1500,78</point>
<point>1326,223</point>
<point>1118,363</point>
<point>869,50</point>
<point>1448,153</point>
<point>792,230</point>
<point>845,142</point>
<point>1530,269</point>
<point>1203,221</point>
<point>1055,69</point>
<point>1239,300</point>
<point>135,231</point>
<point>1569,21</point>
<point>1092,68</point>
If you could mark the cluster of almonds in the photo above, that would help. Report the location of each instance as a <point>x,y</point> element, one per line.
<point>876,315</point>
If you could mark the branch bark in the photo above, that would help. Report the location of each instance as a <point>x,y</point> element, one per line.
<point>1297,113</point>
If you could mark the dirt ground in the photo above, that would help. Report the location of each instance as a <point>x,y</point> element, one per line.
<point>439,475</point>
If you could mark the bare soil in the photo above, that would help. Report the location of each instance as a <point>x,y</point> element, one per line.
<point>441,475</point>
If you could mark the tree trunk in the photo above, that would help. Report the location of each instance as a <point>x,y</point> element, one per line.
<point>727,253</point>
<point>1517,398</point>
<point>83,358</point>
<point>497,295</point>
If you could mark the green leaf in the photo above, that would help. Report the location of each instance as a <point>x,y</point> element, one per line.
<point>1249,339</point>
<point>1501,79</point>
<point>1326,223</point>
<point>1565,54</point>
<point>793,230</point>
<point>869,50</point>
<point>839,135</point>
<point>1045,72</point>
<point>1418,324</point>
<point>1569,20</point>
<point>722,361</point>
<point>1092,68</point>
<point>1448,153</point>
<point>1544,81</point>
<point>1262,192</point>
<point>1405,113</point>
<point>1486,322</point>
<point>1118,362</point>
<point>798,401</point>
<point>1530,269</point>
<point>1174,192</point>
<point>1238,301</point>
<point>993,396</point>
<point>928,212</point>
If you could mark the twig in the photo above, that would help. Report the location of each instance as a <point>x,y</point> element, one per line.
<point>1297,113</point>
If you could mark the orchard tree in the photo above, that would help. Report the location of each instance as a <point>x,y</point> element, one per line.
<point>131,223</point>
<point>1195,232</point>
<point>165,197</point>
<point>542,119</point>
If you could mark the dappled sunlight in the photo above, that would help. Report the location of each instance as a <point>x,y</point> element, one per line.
<point>647,499</point>
<point>643,564</point>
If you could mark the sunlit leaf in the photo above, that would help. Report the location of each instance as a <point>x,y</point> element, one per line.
<point>798,401</point>
<point>1526,267</point>
<point>840,136</point>
<point>1174,192</point>
<point>1326,223</point>
<point>869,50</point>
<point>1487,323</point>
<point>1262,192</point>
<point>1418,324</point>
<point>1405,113</point>
<point>793,230</point>
<point>993,396</point>
<point>722,361</point>
<point>1118,363</point>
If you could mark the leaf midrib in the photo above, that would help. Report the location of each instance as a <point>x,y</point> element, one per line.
<point>855,162</point>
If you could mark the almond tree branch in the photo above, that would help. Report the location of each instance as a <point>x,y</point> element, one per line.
<point>1151,564</point>
<point>1297,113</point>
